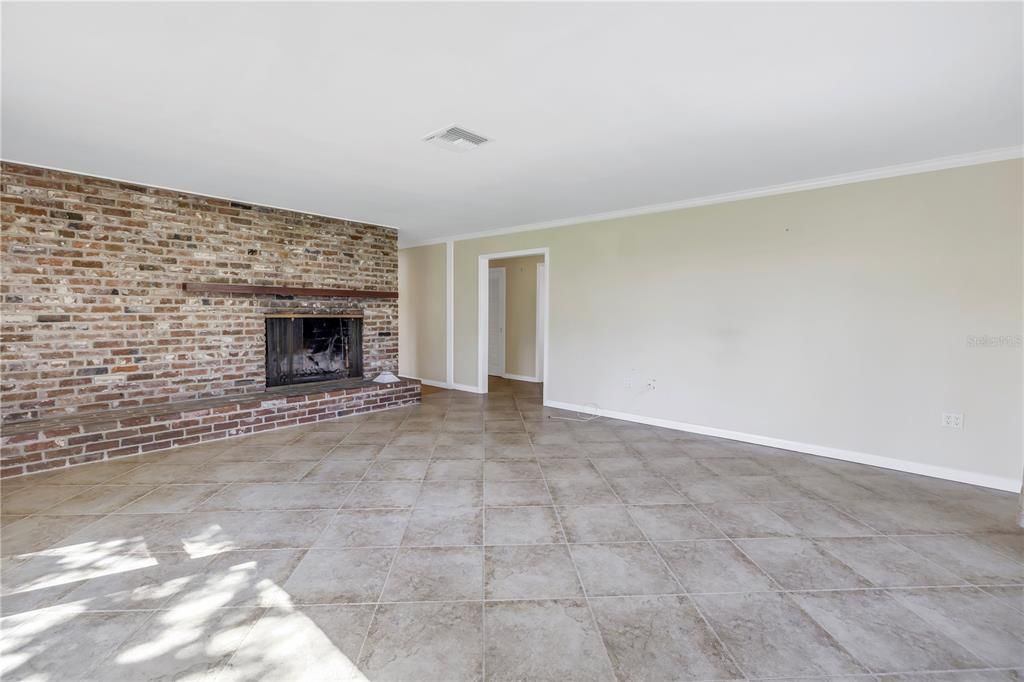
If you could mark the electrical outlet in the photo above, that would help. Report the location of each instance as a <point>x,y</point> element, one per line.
<point>951,420</point>
<point>651,385</point>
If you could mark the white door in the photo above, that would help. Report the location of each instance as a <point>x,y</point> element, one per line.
<point>496,321</point>
<point>542,284</point>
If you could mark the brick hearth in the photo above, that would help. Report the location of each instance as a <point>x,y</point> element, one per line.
<point>44,444</point>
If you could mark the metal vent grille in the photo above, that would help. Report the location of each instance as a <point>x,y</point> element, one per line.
<point>456,139</point>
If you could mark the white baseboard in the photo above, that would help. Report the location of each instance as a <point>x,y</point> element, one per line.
<point>947,473</point>
<point>520,377</point>
<point>426,382</point>
<point>442,384</point>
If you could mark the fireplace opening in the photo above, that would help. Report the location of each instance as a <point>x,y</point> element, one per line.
<point>305,349</point>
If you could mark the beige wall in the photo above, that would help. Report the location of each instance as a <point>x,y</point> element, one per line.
<point>520,314</point>
<point>422,312</point>
<point>836,317</point>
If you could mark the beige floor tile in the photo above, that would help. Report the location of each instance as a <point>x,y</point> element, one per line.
<point>521,526</point>
<point>560,636</point>
<point>424,642</point>
<point>436,574</point>
<point>530,572</point>
<point>339,576</point>
<point>661,638</point>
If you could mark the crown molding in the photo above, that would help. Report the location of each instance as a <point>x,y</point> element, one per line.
<point>941,163</point>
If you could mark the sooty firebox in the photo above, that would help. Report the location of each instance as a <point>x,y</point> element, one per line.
<point>305,349</point>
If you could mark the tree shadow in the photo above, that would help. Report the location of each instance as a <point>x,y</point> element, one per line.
<point>112,609</point>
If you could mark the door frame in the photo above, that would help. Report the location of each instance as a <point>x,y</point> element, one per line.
<point>502,276</point>
<point>483,306</point>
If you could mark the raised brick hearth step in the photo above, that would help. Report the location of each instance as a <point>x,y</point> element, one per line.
<point>77,438</point>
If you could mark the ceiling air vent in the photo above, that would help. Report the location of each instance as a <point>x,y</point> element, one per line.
<point>456,139</point>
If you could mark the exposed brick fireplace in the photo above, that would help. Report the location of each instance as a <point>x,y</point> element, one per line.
<point>99,318</point>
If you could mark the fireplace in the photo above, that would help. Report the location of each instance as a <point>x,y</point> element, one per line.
<point>306,349</point>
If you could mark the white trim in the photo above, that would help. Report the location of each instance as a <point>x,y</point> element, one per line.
<point>483,262</point>
<point>204,194</point>
<point>538,360</point>
<point>520,377</point>
<point>427,382</point>
<point>949,474</point>
<point>546,313</point>
<point>449,305</point>
<point>442,384</point>
<point>942,163</point>
<point>482,321</point>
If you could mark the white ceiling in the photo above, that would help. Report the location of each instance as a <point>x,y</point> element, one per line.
<point>592,107</point>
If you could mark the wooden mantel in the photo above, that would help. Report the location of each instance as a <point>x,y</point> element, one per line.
<point>212,288</point>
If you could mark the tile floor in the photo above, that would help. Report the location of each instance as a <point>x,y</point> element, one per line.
<point>474,537</point>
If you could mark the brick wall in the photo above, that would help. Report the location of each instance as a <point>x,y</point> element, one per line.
<point>94,316</point>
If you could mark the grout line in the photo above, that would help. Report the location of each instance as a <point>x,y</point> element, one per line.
<point>899,589</point>
<point>576,568</point>
<point>132,632</point>
<point>369,622</point>
<point>770,577</point>
<point>793,602</point>
<point>712,630</point>
<point>667,567</point>
<point>154,612</point>
<point>252,626</point>
<point>938,625</point>
<point>896,539</point>
<point>78,491</point>
<point>101,516</point>
<point>394,559</point>
<point>997,550</point>
<point>503,600</point>
<point>483,563</point>
<point>739,549</point>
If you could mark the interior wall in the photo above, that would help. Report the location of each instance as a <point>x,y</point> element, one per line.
<point>847,319</point>
<point>422,312</point>
<point>520,315</point>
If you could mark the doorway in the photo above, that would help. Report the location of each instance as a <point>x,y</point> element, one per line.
<point>513,317</point>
